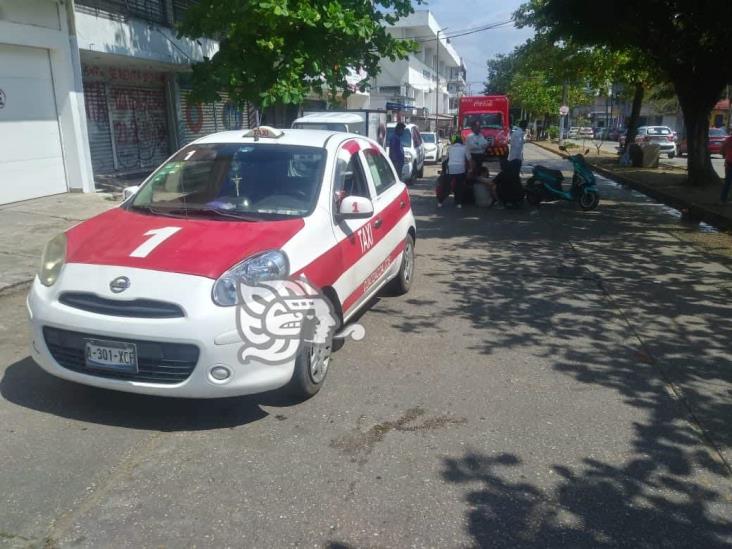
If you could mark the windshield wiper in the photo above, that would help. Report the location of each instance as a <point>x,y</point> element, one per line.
<point>183,212</point>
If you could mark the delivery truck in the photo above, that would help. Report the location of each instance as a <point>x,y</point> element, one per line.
<point>491,112</point>
<point>371,123</point>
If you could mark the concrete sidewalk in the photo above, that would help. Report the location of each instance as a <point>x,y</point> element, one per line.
<point>25,227</point>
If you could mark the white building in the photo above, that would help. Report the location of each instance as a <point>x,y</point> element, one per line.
<point>92,88</point>
<point>43,146</point>
<point>428,81</point>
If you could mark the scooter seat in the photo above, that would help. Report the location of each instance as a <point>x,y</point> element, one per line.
<point>548,173</point>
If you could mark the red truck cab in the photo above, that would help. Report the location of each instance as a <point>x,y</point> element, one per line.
<point>491,111</point>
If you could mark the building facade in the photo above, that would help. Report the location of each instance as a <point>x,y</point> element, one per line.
<point>96,88</point>
<point>429,81</point>
<point>43,142</point>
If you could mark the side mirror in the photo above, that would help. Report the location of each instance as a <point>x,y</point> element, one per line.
<point>355,207</point>
<point>127,192</point>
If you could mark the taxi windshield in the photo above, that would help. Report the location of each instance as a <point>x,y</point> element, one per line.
<point>489,120</point>
<point>248,181</point>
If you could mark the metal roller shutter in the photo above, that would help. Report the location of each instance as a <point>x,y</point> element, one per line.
<point>140,126</point>
<point>197,120</point>
<point>97,120</point>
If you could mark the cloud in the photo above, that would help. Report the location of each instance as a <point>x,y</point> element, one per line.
<point>476,49</point>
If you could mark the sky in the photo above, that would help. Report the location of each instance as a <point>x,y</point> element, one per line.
<point>476,49</point>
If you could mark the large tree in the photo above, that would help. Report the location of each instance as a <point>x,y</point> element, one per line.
<point>687,40</point>
<point>279,51</point>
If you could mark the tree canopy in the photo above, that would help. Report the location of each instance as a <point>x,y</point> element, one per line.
<point>279,51</point>
<point>687,41</point>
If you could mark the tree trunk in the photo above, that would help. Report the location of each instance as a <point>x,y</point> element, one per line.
<point>696,119</point>
<point>638,94</point>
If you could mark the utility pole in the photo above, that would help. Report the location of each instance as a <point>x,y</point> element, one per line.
<point>562,119</point>
<point>437,87</point>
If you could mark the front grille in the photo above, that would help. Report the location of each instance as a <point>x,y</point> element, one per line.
<point>136,308</point>
<point>164,363</point>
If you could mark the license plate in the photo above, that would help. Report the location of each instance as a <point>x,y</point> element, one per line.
<point>111,355</point>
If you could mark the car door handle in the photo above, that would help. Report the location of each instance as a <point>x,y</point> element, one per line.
<point>377,223</point>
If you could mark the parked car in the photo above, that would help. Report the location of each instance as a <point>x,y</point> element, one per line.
<point>714,145</point>
<point>586,133</point>
<point>433,147</point>
<point>413,151</point>
<point>716,138</point>
<point>615,134</point>
<point>573,132</point>
<point>663,136</point>
<point>148,296</point>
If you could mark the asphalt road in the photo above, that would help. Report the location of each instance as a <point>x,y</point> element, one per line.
<point>554,379</point>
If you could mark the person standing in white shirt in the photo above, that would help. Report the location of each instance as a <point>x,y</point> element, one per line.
<point>456,165</point>
<point>475,145</point>
<point>516,149</point>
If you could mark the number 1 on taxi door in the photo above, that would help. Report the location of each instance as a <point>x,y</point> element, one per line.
<point>157,237</point>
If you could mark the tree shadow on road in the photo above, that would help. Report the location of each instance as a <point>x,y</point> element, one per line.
<point>614,300</point>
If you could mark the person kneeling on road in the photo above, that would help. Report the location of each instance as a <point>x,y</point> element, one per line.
<point>507,188</point>
<point>455,176</point>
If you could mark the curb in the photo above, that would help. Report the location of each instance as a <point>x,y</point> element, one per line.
<point>690,211</point>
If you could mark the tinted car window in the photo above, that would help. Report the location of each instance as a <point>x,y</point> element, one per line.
<point>406,137</point>
<point>257,180</point>
<point>717,132</point>
<point>381,171</point>
<point>428,137</point>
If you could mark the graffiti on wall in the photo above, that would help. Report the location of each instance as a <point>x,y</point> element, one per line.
<point>139,126</point>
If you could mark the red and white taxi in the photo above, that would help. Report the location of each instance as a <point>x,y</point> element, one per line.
<point>142,298</point>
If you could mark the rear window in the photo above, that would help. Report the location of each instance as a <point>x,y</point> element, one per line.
<point>659,131</point>
<point>330,126</point>
<point>428,137</point>
<point>717,132</point>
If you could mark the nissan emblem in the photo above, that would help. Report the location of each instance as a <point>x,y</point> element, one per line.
<point>119,284</point>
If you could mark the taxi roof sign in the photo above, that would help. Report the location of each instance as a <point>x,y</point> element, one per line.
<point>266,132</point>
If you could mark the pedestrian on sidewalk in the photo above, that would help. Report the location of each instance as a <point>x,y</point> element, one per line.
<point>475,145</point>
<point>727,154</point>
<point>516,149</point>
<point>396,149</point>
<point>455,177</point>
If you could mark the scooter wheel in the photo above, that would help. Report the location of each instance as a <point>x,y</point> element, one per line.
<point>589,200</point>
<point>533,198</point>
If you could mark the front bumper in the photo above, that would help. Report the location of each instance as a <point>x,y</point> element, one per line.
<point>205,326</point>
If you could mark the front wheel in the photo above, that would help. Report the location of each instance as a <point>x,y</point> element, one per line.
<point>589,200</point>
<point>403,281</point>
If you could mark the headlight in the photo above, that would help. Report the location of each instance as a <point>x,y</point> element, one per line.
<point>271,265</point>
<point>407,156</point>
<point>54,255</point>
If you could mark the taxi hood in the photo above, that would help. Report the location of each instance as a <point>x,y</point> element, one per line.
<point>195,246</point>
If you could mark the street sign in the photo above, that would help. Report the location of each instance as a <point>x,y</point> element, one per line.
<point>564,110</point>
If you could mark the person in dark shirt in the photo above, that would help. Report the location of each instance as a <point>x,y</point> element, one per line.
<point>396,149</point>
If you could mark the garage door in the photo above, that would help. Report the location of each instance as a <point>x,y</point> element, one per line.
<point>31,162</point>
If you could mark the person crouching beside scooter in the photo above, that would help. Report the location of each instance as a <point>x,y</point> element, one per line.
<point>456,173</point>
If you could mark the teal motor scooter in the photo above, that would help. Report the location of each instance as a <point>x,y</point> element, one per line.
<point>545,185</point>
